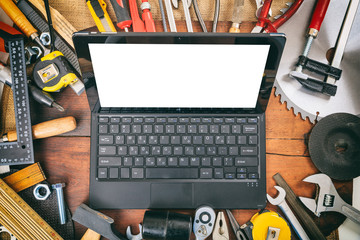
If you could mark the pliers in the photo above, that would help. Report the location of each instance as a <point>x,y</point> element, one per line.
<point>235,226</point>
<point>267,26</point>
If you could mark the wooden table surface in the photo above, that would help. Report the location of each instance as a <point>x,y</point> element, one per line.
<point>66,158</point>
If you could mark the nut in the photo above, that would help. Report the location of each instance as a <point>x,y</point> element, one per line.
<point>41,191</point>
<point>45,38</point>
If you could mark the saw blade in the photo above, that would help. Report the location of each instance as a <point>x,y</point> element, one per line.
<point>308,103</point>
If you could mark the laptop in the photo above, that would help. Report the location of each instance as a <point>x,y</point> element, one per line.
<point>178,119</point>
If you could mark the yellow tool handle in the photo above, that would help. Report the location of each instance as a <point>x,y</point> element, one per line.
<point>96,18</point>
<point>91,235</point>
<point>48,128</point>
<point>17,17</point>
<point>234,30</point>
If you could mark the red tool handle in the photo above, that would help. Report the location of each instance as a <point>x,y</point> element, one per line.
<point>288,14</point>
<point>147,17</point>
<point>264,13</point>
<point>319,14</point>
<point>122,13</point>
<point>7,33</point>
<point>138,24</point>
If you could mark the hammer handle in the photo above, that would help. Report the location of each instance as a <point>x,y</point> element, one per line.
<point>91,235</point>
<point>48,128</point>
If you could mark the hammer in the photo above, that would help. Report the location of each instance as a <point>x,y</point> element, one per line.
<point>98,224</point>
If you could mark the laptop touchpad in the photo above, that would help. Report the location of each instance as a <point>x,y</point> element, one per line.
<point>170,195</point>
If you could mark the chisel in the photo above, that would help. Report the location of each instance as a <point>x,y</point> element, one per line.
<point>237,16</point>
<point>45,129</point>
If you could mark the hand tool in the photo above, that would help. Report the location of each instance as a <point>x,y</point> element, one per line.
<point>203,222</point>
<point>328,200</point>
<point>237,16</point>
<point>162,12</point>
<point>122,14</point>
<point>45,129</point>
<point>186,6</point>
<point>308,104</point>
<point>221,231</point>
<point>60,200</point>
<point>20,152</point>
<point>98,222</point>
<point>45,39</point>
<point>147,16</point>
<point>130,236</point>
<point>198,15</point>
<point>262,17</point>
<point>20,219</point>
<point>41,192</point>
<point>280,201</point>
<point>239,234</point>
<point>137,23</point>
<point>37,20</point>
<point>216,15</point>
<point>308,223</point>
<point>5,75</point>
<point>44,98</point>
<point>259,4</point>
<point>20,20</point>
<point>25,177</point>
<point>163,225</point>
<point>170,15</point>
<point>100,15</point>
<point>32,54</point>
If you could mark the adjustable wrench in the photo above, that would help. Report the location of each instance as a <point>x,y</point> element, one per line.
<point>186,5</point>
<point>130,236</point>
<point>280,201</point>
<point>328,200</point>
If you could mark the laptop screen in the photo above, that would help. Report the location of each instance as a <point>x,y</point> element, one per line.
<point>178,75</point>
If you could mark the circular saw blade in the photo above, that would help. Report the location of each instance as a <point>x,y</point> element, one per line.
<point>308,103</point>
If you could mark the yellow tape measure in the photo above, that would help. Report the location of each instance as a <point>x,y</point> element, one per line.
<point>20,219</point>
<point>270,225</point>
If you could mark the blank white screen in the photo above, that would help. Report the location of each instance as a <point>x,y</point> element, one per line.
<point>178,75</point>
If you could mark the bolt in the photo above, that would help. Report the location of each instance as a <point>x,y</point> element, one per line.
<point>60,199</point>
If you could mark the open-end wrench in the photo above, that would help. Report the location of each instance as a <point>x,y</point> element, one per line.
<point>130,236</point>
<point>328,200</point>
<point>280,201</point>
<point>170,15</point>
<point>186,5</point>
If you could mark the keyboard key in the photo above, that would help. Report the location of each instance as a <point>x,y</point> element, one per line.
<point>161,161</point>
<point>156,150</point>
<point>149,120</point>
<point>252,120</point>
<point>107,150</point>
<point>192,129</point>
<point>200,151</point>
<point>242,140</point>
<point>218,120</point>
<point>241,170</point>
<point>203,129</point>
<point>222,151</point>
<point>114,128</point>
<point>225,129</point>
<point>161,120</point>
<point>172,120</point>
<point>133,150</point>
<point>206,120</point>
<point>184,120</point>
<point>241,120</point>
<point>195,120</point>
<point>228,161</point>
<point>138,120</point>
<point>102,173</point>
<point>115,120</point>
<point>253,140</point>
<point>209,140</point>
<point>220,140</point>
<point>172,161</point>
<point>206,173</point>
<point>241,176</point>
<point>229,175</point>
<point>159,128</point>
<point>126,120</point>
<point>194,161</point>
<point>229,120</point>
<point>205,161</point>
<point>137,173</point>
<point>253,176</point>
<point>141,139</point>
<point>130,140</point>
<point>217,161</point>
<point>139,161</point>
<point>175,140</point>
<point>128,161</point>
<point>250,129</point>
<point>166,150</point>
<point>229,169</point>
<point>172,173</point>
<point>189,150</point>
<point>170,129</point>
<point>248,150</point>
<point>120,139</point>
<point>164,140</point>
<point>103,119</point>
<point>184,161</point>
<point>246,161</point>
<point>233,151</point>
<point>114,173</point>
<point>181,129</point>
<point>211,150</point>
<point>147,129</point>
<point>103,128</point>
<point>125,173</point>
<point>197,140</point>
<point>110,161</point>
<point>125,128</point>
<point>153,140</point>
<point>218,173</point>
<point>178,150</point>
<point>122,150</point>
<point>136,129</point>
<point>230,140</point>
<point>186,140</point>
<point>150,161</point>
<point>214,128</point>
<point>106,139</point>
<point>236,129</point>
<point>144,150</point>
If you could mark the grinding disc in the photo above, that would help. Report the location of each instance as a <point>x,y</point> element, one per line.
<point>334,146</point>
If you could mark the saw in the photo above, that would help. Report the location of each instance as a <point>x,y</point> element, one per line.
<point>311,104</point>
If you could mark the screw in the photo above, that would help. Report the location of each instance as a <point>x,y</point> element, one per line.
<point>60,199</point>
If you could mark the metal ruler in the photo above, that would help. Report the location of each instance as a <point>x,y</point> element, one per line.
<point>20,219</point>
<point>21,151</point>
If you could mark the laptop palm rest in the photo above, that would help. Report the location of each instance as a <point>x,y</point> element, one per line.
<point>167,195</point>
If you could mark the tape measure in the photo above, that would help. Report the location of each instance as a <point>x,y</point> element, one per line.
<point>20,219</point>
<point>53,73</point>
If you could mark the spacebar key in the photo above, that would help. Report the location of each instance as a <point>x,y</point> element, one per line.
<point>178,173</point>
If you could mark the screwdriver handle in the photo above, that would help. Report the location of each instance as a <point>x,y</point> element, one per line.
<point>147,16</point>
<point>48,128</point>
<point>122,13</point>
<point>138,24</point>
<point>319,14</point>
<point>18,17</point>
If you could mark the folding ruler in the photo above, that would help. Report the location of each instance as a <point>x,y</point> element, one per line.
<point>21,151</point>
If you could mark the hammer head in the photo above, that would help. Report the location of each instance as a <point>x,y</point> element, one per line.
<point>279,199</point>
<point>97,222</point>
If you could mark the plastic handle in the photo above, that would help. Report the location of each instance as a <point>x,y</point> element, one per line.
<point>264,13</point>
<point>319,14</point>
<point>17,17</point>
<point>138,24</point>
<point>122,13</point>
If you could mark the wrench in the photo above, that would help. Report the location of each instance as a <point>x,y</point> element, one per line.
<point>186,5</point>
<point>280,201</point>
<point>259,4</point>
<point>170,15</point>
<point>130,236</point>
<point>328,200</point>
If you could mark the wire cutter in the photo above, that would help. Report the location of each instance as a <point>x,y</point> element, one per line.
<point>235,226</point>
<point>267,26</point>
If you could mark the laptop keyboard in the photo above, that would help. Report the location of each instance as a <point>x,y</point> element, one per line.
<point>177,148</point>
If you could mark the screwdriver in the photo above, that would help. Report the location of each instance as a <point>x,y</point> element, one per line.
<point>122,14</point>
<point>44,98</point>
<point>21,21</point>
<point>45,129</point>
<point>314,27</point>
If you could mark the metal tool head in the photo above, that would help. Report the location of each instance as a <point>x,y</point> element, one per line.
<point>280,197</point>
<point>130,236</point>
<point>175,3</point>
<point>221,231</point>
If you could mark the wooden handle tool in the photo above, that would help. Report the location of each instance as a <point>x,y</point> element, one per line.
<point>91,235</point>
<point>46,129</point>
